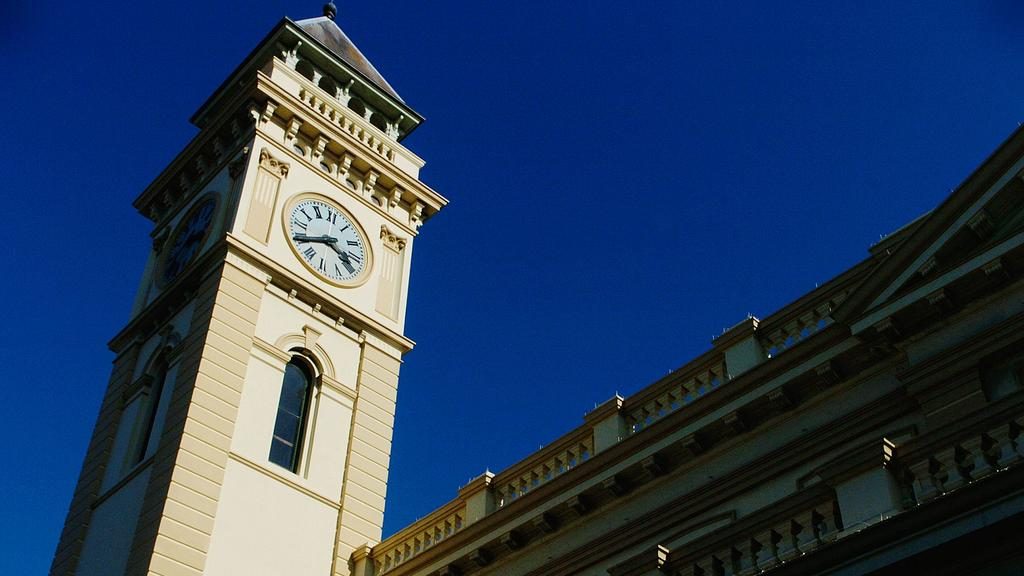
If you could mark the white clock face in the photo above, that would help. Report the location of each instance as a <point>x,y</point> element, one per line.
<point>327,240</point>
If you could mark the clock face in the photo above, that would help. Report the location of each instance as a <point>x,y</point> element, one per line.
<point>327,241</point>
<point>188,237</point>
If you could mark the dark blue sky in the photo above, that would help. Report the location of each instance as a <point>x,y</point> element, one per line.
<point>626,179</point>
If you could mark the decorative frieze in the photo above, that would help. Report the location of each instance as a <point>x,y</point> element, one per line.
<point>941,301</point>
<point>511,540</point>
<point>828,373</point>
<point>929,265</point>
<point>545,522</point>
<point>736,422</point>
<point>996,270</point>
<point>273,165</point>
<point>392,240</point>
<point>578,504</point>
<point>981,224</point>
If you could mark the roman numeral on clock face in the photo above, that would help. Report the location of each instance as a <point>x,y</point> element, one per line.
<point>309,252</point>
<point>316,209</point>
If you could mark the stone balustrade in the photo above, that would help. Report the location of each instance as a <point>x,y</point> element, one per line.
<point>788,328</point>
<point>947,467</point>
<point>543,466</point>
<point>357,128</point>
<point>671,394</point>
<point>767,547</point>
<point>742,348</point>
<point>420,536</point>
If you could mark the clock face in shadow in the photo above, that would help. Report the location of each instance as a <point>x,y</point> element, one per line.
<point>188,238</point>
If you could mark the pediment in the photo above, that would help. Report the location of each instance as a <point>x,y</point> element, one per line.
<point>980,226</point>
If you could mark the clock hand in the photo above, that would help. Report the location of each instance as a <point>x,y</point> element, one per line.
<point>341,253</point>
<point>325,239</point>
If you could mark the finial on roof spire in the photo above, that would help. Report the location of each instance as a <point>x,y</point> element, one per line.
<point>330,10</point>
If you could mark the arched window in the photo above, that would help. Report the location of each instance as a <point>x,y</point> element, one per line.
<point>377,120</point>
<point>142,418</point>
<point>306,69</point>
<point>292,413</point>
<point>357,106</point>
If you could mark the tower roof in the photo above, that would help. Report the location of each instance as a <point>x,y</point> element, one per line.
<point>324,30</point>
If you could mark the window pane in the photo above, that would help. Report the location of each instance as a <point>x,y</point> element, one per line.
<point>280,453</point>
<point>287,427</point>
<point>291,412</point>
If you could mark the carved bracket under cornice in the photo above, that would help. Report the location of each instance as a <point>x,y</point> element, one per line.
<point>238,164</point>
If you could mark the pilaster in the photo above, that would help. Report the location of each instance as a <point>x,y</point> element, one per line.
<point>361,517</point>
<point>177,518</point>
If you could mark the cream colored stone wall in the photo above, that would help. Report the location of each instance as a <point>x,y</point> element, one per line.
<point>266,526</point>
<point>362,513</point>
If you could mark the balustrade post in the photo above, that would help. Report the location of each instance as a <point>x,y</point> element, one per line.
<point>741,348</point>
<point>1017,425</point>
<point>479,497</point>
<point>828,520</point>
<point>1005,452</point>
<point>362,563</point>
<point>608,422</point>
<point>728,562</point>
<point>925,486</point>
<point>768,556</point>
<point>950,476</point>
<point>975,458</point>
<point>869,497</point>
<point>787,545</point>
<point>806,540</point>
<point>748,557</point>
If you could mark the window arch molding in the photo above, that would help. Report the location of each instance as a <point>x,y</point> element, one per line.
<point>303,343</point>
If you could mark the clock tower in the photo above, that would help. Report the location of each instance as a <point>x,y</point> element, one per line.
<point>246,427</point>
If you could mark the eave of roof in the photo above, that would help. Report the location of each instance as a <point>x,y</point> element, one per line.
<point>327,32</point>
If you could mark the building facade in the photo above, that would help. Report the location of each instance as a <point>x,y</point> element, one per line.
<point>872,426</point>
